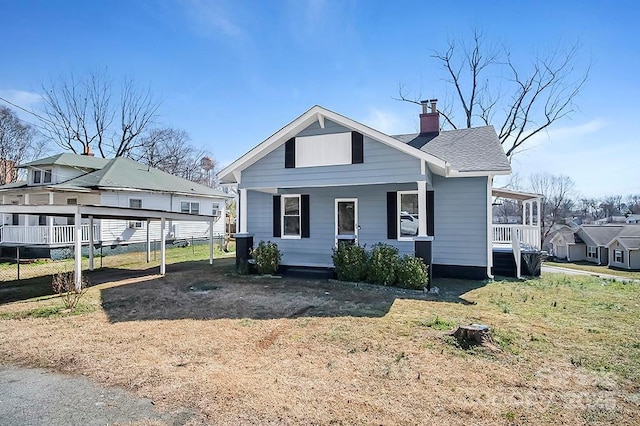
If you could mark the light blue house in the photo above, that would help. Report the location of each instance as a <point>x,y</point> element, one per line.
<point>325,177</point>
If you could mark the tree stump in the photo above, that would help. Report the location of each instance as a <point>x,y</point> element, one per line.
<point>475,335</point>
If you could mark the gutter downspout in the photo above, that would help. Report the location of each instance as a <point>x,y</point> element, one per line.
<point>489,227</point>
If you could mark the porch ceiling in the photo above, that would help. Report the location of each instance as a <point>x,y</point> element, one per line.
<point>100,212</point>
<point>515,195</point>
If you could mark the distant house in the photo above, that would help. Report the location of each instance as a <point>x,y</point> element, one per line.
<point>633,218</point>
<point>624,248</point>
<point>325,178</point>
<point>557,241</point>
<point>611,219</point>
<point>70,179</point>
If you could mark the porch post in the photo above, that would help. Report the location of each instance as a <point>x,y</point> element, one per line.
<point>91,243</point>
<point>524,212</point>
<point>243,211</point>
<point>50,221</point>
<point>26,216</point>
<point>422,242</point>
<point>4,216</point>
<point>210,241</point>
<point>78,250</point>
<point>163,266</point>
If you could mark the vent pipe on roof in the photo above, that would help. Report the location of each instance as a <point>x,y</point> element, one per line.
<point>429,120</point>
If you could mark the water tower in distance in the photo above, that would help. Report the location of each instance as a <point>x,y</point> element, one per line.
<point>207,164</point>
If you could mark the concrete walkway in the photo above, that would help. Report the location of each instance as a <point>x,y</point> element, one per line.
<point>38,397</point>
<point>569,271</point>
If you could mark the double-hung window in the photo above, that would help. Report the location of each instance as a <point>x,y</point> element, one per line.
<point>291,216</point>
<point>618,256</point>
<point>408,219</point>
<point>592,252</point>
<point>189,207</point>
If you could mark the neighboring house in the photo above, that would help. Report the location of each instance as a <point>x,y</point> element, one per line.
<point>556,242</point>
<point>624,248</point>
<point>611,219</point>
<point>70,179</point>
<point>595,239</point>
<point>633,219</point>
<point>325,177</point>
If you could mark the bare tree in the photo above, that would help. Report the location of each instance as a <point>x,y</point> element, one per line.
<point>557,192</point>
<point>81,114</point>
<point>17,144</point>
<point>171,150</point>
<point>491,88</point>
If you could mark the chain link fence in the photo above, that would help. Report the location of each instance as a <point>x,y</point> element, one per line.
<point>21,264</point>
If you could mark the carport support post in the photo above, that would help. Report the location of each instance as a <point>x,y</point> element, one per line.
<point>162,247</point>
<point>91,243</point>
<point>78,250</point>
<point>211,242</point>
<point>148,241</point>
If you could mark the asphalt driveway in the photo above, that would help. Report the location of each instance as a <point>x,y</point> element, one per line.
<point>32,397</point>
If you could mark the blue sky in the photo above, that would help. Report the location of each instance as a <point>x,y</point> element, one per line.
<point>231,73</point>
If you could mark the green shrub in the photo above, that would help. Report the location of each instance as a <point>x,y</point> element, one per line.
<point>350,261</point>
<point>412,272</point>
<point>383,263</point>
<point>267,257</point>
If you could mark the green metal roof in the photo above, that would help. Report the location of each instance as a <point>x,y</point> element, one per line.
<point>71,160</point>
<point>124,173</point>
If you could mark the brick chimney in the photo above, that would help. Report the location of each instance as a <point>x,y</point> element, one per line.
<point>429,121</point>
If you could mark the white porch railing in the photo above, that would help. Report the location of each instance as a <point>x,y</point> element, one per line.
<point>528,235</point>
<point>57,234</point>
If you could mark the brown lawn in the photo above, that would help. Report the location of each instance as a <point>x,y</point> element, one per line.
<point>251,350</point>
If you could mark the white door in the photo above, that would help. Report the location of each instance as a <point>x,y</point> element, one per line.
<point>346,219</point>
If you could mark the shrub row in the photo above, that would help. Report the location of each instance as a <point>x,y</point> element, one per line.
<point>382,265</point>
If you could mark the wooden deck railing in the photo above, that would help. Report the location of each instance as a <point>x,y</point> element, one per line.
<point>57,234</point>
<point>528,235</point>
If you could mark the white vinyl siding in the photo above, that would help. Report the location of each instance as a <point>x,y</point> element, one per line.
<point>323,150</point>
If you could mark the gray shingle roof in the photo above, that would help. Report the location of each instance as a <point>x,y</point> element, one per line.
<point>467,150</point>
<point>600,234</point>
<point>629,236</point>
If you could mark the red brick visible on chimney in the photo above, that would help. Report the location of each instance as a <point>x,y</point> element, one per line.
<point>429,121</point>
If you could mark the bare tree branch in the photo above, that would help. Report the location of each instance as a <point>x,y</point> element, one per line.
<point>81,114</point>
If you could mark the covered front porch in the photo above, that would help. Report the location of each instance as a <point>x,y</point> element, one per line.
<point>517,245</point>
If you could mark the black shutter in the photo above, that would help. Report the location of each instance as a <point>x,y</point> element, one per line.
<point>430,213</point>
<point>276,216</point>
<point>357,148</point>
<point>392,215</point>
<point>290,154</point>
<point>304,216</point>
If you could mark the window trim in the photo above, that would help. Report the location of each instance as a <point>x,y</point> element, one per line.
<point>283,197</point>
<point>399,214</point>
<point>135,198</point>
<point>590,254</point>
<point>47,176</point>
<point>615,256</point>
<point>37,176</point>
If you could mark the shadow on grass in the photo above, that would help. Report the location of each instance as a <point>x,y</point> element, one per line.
<point>17,290</point>
<point>196,290</point>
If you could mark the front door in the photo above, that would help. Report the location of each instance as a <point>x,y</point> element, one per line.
<point>346,219</point>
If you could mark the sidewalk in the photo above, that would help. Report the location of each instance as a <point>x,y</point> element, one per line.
<point>569,271</point>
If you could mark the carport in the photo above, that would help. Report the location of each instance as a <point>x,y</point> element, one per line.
<point>78,212</point>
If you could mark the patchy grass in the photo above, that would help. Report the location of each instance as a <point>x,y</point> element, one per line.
<point>247,350</point>
<point>590,267</point>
